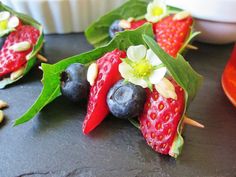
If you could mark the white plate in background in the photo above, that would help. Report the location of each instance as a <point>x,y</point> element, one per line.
<point>215,32</point>
<point>214,10</point>
<point>64,16</point>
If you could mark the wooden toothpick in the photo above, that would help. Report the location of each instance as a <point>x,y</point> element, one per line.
<point>192,122</point>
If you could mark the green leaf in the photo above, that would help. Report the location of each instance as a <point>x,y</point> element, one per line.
<point>51,73</point>
<point>173,10</point>
<point>185,76</point>
<point>48,94</point>
<point>191,36</point>
<point>97,32</point>
<point>37,47</point>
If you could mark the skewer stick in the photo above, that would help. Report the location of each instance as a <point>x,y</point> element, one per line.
<point>189,46</point>
<point>192,122</point>
<point>42,58</point>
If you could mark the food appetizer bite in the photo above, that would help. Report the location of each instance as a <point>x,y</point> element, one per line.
<point>21,41</point>
<point>132,78</point>
<point>173,28</point>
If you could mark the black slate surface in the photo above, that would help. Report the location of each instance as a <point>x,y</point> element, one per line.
<point>52,145</point>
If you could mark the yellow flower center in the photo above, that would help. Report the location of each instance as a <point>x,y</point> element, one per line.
<point>157,11</point>
<point>3,25</point>
<point>142,68</point>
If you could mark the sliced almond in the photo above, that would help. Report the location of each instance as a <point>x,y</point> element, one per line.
<point>1,116</point>
<point>181,15</point>
<point>4,15</point>
<point>21,46</point>
<point>16,74</point>
<point>166,89</point>
<point>92,73</point>
<point>3,104</point>
<point>13,22</point>
<point>124,24</point>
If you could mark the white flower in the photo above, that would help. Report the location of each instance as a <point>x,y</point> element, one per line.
<point>4,16</point>
<point>156,10</point>
<point>142,67</point>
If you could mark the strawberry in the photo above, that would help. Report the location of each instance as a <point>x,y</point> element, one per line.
<point>10,60</point>
<point>136,24</point>
<point>171,34</point>
<point>160,118</point>
<point>108,75</point>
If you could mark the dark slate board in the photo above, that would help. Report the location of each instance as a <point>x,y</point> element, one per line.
<point>52,145</point>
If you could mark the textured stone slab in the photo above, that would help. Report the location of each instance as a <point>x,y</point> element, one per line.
<point>52,145</point>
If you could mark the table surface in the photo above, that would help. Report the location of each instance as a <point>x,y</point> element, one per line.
<point>52,144</point>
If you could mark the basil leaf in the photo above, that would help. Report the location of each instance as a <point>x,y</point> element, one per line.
<point>97,32</point>
<point>31,58</point>
<point>51,73</point>
<point>185,76</point>
<point>173,10</point>
<point>189,39</point>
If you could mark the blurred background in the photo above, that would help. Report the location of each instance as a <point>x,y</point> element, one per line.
<point>216,19</point>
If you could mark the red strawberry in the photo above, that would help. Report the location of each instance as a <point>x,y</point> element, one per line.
<point>136,24</point>
<point>160,119</point>
<point>11,61</point>
<point>171,34</point>
<point>108,75</point>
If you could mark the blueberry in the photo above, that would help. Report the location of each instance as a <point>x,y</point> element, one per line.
<point>74,84</point>
<point>126,100</point>
<point>114,28</point>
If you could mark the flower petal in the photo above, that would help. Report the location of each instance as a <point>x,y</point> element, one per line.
<point>153,58</point>
<point>151,18</point>
<point>138,81</point>
<point>137,52</point>
<point>157,75</point>
<point>161,4</point>
<point>150,7</point>
<point>125,70</point>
